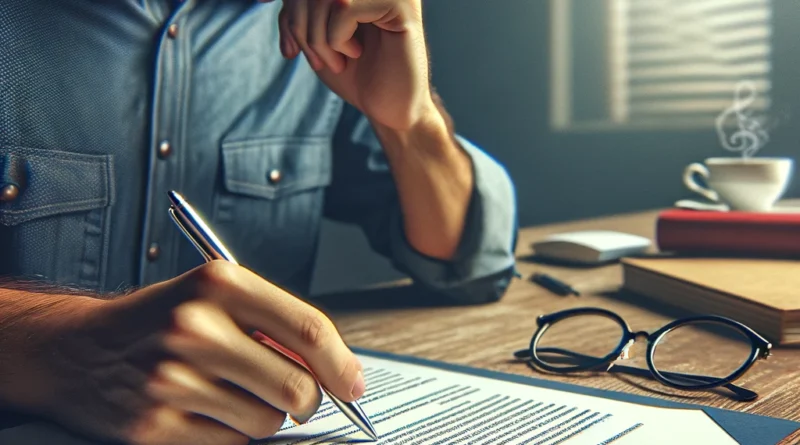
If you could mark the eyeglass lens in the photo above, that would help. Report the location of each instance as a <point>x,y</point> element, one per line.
<point>585,340</point>
<point>701,348</point>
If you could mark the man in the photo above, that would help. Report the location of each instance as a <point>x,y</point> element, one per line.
<point>267,117</point>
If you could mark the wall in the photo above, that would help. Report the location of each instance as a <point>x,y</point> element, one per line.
<point>490,64</point>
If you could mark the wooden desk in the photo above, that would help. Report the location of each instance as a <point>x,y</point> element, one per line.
<point>399,320</point>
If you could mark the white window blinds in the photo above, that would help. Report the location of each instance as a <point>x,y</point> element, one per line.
<point>682,59</point>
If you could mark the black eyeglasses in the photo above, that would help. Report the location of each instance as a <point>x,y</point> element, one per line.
<point>693,353</point>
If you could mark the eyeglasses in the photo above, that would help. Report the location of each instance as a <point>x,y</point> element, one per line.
<point>693,353</point>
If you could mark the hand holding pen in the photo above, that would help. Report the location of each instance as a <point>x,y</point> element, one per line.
<point>304,350</point>
<point>182,361</point>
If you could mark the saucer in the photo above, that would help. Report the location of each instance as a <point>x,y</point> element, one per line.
<point>788,206</point>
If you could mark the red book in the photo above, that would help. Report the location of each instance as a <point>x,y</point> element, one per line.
<point>735,232</point>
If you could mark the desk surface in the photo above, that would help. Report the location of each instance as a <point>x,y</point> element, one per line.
<point>399,320</point>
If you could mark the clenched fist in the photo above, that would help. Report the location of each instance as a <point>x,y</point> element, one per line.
<point>372,53</point>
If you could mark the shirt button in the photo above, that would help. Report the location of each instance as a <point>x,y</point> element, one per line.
<point>9,193</point>
<point>153,252</point>
<point>172,31</point>
<point>164,149</point>
<point>275,176</point>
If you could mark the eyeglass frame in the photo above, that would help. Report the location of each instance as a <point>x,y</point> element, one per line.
<point>760,348</point>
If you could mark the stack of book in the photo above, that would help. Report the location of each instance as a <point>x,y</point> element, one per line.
<point>741,265</point>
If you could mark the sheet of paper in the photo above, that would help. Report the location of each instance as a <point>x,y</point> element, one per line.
<point>413,404</point>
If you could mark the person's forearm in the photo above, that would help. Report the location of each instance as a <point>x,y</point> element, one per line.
<point>434,179</point>
<point>26,312</point>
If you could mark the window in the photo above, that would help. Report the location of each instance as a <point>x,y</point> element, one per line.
<point>658,63</point>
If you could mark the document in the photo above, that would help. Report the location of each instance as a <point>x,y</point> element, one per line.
<point>416,404</point>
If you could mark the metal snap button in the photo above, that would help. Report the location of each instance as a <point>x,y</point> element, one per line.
<point>275,176</point>
<point>153,252</point>
<point>164,149</point>
<point>9,193</point>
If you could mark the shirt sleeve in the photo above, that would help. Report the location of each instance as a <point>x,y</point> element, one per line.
<point>363,192</point>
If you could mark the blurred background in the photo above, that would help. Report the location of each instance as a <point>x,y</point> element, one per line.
<point>595,107</point>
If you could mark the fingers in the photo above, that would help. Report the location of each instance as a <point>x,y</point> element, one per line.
<point>346,15</point>
<point>342,28</point>
<point>169,426</point>
<point>325,30</point>
<point>289,47</point>
<point>255,304</point>
<point>297,17</point>
<point>180,386</point>
<point>319,13</point>
<point>206,338</point>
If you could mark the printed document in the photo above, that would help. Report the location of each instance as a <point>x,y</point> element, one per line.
<point>415,404</point>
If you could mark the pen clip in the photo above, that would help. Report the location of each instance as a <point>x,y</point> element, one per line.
<point>176,217</point>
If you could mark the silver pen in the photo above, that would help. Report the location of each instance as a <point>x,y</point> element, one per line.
<point>203,238</point>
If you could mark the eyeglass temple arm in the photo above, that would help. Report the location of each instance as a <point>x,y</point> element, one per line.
<point>743,393</point>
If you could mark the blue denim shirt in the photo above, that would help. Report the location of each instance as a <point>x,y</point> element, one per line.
<point>105,106</point>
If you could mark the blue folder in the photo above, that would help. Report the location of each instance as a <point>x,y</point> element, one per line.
<point>749,429</point>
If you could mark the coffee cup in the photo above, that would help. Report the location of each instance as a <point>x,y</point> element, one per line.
<point>746,184</point>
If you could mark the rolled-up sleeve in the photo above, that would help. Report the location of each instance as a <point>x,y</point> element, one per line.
<point>363,192</point>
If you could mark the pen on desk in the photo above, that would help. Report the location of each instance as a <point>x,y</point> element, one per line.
<point>553,284</point>
<point>203,238</point>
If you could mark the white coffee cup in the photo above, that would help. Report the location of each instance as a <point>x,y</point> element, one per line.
<point>746,184</point>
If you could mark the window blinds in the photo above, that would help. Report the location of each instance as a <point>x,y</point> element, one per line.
<point>682,59</point>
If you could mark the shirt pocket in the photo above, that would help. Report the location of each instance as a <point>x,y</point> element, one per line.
<point>270,207</point>
<point>55,223</point>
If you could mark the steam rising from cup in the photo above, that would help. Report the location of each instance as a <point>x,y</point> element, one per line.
<point>750,135</point>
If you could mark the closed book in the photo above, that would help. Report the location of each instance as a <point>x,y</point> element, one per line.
<point>761,293</point>
<point>734,232</point>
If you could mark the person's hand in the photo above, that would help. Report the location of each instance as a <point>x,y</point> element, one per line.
<point>173,363</point>
<point>372,53</point>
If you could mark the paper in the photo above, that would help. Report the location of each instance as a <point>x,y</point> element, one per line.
<point>413,404</point>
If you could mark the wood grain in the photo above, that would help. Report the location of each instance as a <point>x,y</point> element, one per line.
<point>402,319</point>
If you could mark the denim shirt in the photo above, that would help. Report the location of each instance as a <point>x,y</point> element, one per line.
<point>105,106</point>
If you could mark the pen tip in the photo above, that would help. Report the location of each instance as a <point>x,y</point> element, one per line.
<point>368,429</point>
